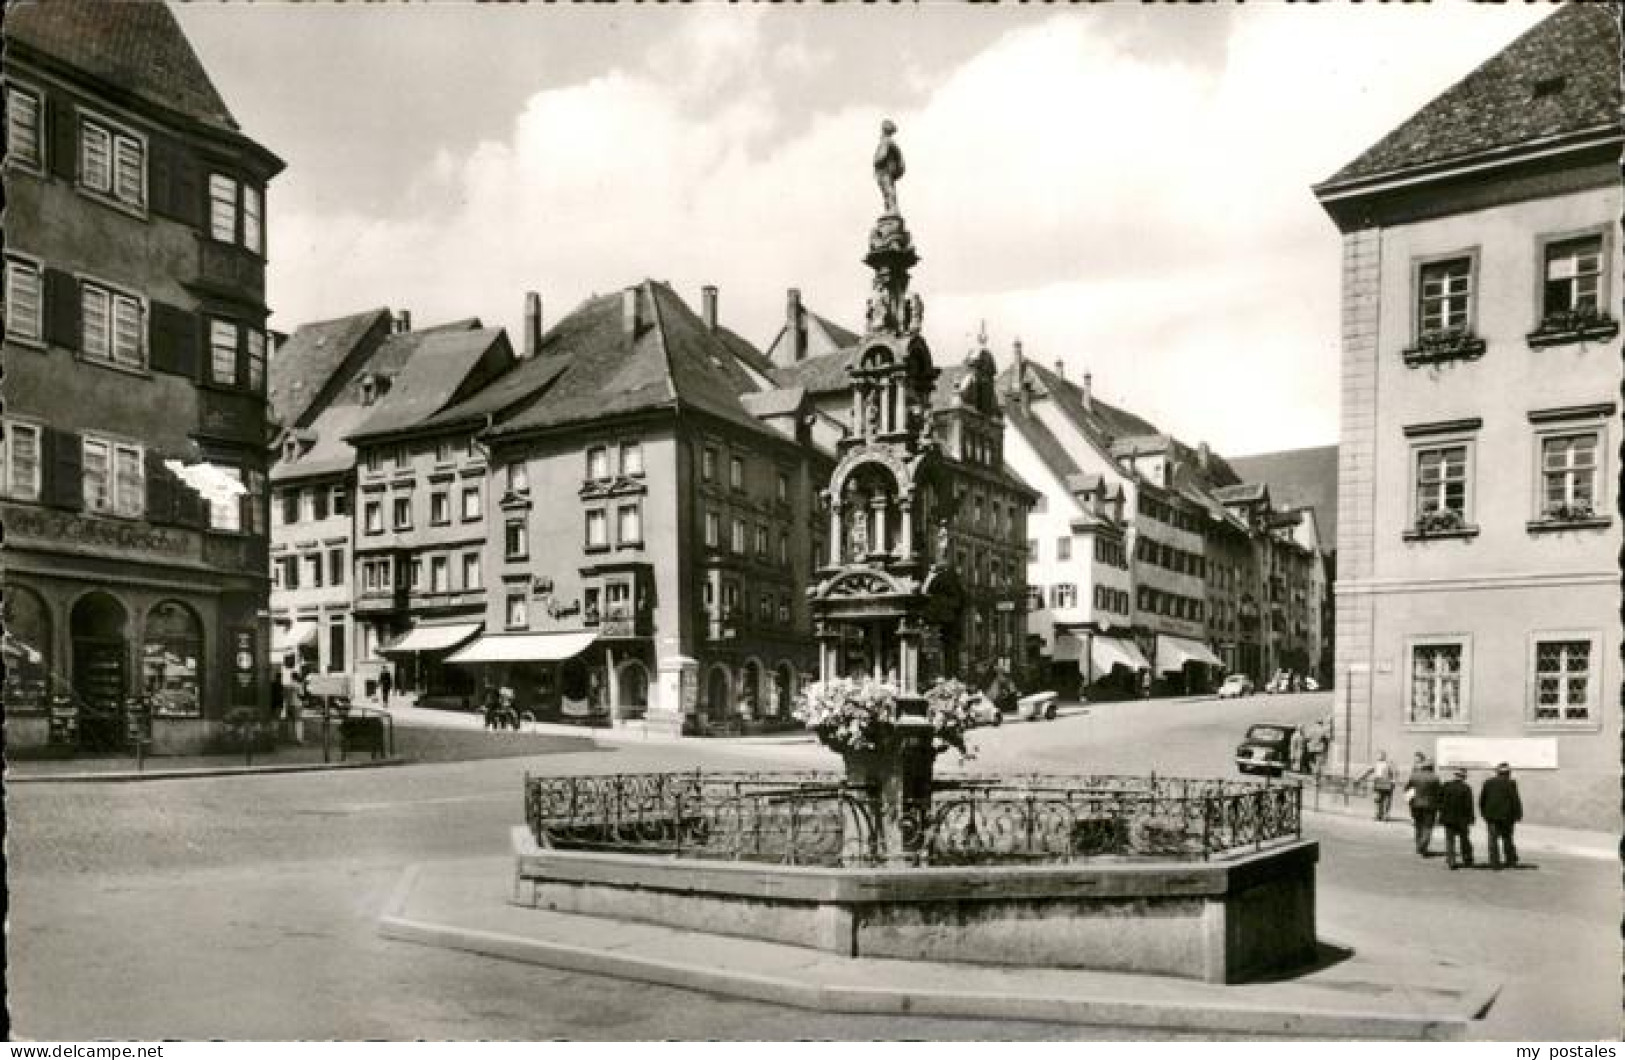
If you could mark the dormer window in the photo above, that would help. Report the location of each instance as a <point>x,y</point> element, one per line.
<point>1549,86</point>
<point>290,450</point>
<point>369,390</point>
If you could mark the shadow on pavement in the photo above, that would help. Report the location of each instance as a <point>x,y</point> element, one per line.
<point>1327,955</point>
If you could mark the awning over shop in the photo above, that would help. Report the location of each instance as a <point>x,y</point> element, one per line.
<point>1107,652</point>
<point>298,635</point>
<point>434,638</point>
<point>1174,652</point>
<point>525,647</point>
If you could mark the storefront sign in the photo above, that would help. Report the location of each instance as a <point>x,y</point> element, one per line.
<point>50,527</point>
<point>244,668</point>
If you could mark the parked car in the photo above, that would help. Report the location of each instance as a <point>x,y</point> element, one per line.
<point>985,711</point>
<point>1264,749</point>
<point>1236,686</point>
<point>1040,706</point>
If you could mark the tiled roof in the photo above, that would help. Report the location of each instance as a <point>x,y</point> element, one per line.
<point>330,453</point>
<point>824,336</point>
<point>1299,478</point>
<point>674,360</point>
<point>1242,493</point>
<point>135,45</point>
<point>434,366</point>
<point>301,367</point>
<point>1043,440</point>
<point>779,402</point>
<point>819,375</point>
<point>1561,77</point>
<point>525,382</point>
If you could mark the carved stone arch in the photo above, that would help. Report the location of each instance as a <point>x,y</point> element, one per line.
<point>868,458</point>
<point>861,583</point>
<point>877,357</point>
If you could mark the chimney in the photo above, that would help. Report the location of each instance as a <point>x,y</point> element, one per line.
<point>794,330</point>
<point>1020,374</point>
<point>629,312</point>
<point>1204,456</point>
<point>533,324</point>
<point>708,301</point>
<point>1088,391</point>
<point>403,321</point>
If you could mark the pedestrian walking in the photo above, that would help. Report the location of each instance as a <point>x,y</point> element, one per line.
<point>1381,773</point>
<point>1295,752</point>
<point>1498,801</point>
<point>1422,791</point>
<point>1320,739</point>
<point>386,683</point>
<point>1456,814</point>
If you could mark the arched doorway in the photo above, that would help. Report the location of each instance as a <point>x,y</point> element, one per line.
<point>98,626</point>
<point>632,689</point>
<point>717,699</point>
<point>27,651</point>
<point>172,661</point>
<point>784,690</point>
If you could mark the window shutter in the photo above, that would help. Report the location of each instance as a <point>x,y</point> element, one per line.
<point>185,187</point>
<point>191,510</point>
<point>245,517</point>
<point>64,463</point>
<point>64,137</point>
<point>160,175</point>
<point>61,309</point>
<point>160,491</point>
<point>242,355</point>
<point>174,346</point>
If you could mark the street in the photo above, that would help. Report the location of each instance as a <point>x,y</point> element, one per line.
<point>245,907</point>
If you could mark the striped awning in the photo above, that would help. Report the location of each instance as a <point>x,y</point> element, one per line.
<point>1174,652</point>
<point>424,637</point>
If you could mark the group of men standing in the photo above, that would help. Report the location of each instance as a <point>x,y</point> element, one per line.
<point>1450,803</point>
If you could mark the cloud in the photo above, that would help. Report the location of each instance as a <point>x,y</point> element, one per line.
<point>1122,208</point>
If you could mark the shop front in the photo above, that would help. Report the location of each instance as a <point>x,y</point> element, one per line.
<point>564,676</point>
<point>423,669</point>
<point>1186,666</point>
<point>1097,666</point>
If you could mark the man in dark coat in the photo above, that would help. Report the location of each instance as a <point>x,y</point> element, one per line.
<point>1456,814</point>
<point>1498,801</point>
<point>1423,791</point>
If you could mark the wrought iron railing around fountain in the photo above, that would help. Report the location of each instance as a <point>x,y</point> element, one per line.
<point>824,819</point>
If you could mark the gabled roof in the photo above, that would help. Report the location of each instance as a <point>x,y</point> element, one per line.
<point>329,452</point>
<point>674,361</point>
<point>303,366</point>
<point>436,368</point>
<point>133,45</point>
<point>1299,478</point>
<point>819,375</point>
<point>824,336</point>
<point>1044,443</point>
<point>1560,78</point>
<point>781,402</point>
<point>526,381</point>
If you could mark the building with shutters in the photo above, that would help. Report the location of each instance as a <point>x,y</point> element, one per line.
<point>134,442</point>
<point>1478,515</point>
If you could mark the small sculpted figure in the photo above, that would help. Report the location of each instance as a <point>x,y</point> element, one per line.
<point>888,166</point>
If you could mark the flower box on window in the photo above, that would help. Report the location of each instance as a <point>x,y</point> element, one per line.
<point>1575,516</point>
<point>1439,522</point>
<point>1585,324</point>
<point>1445,344</point>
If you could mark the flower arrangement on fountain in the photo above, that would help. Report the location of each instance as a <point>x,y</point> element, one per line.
<point>860,715</point>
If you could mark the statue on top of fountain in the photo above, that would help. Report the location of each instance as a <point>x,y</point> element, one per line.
<point>888,166</point>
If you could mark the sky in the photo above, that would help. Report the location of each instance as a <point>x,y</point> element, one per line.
<point>1123,187</point>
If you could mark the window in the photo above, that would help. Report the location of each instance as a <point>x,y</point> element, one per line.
<point>761,542</point>
<point>226,512</point>
<point>471,503</point>
<point>112,162</point>
<point>222,208</point>
<point>403,513</point>
<point>369,641</point>
<point>518,477</point>
<point>253,219</point>
<point>713,530</point>
<point>255,339</point>
<point>1064,596</point>
<point>1568,466</point>
<point>313,569</point>
<point>110,326</point>
<point>782,488</point>
<point>1563,685</point>
<point>439,574</point>
<point>20,461</point>
<point>318,502</point>
<point>739,537</point>
<point>374,461</point>
<point>764,608</point>
<point>172,660</point>
<point>341,501</point>
<point>335,566</point>
<point>24,142</point>
<point>223,352</point>
<point>597,463</point>
<point>516,616</point>
<point>1445,295</point>
<point>629,525</point>
<point>442,451</point>
<point>416,575</point>
<point>631,458</point>
<point>114,477</point>
<point>736,472</point>
<point>516,540</point>
<point>1032,550</point>
<point>471,570</point>
<point>1035,598</point>
<point>374,517</point>
<point>439,508</point>
<point>784,549</point>
<point>597,528</point>
<point>708,465</point>
<point>784,610</point>
<point>288,568</point>
<point>25,300</point>
<point>1573,278</point>
<point>335,645</point>
<point>1063,548</point>
<point>1438,683</point>
<point>1441,485</point>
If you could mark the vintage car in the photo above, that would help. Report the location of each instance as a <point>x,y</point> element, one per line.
<point>985,711</point>
<point>1235,686</point>
<point>1265,748</point>
<point>1040,706</point>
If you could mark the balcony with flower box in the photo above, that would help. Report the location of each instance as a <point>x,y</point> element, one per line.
<point>1442,345</point>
